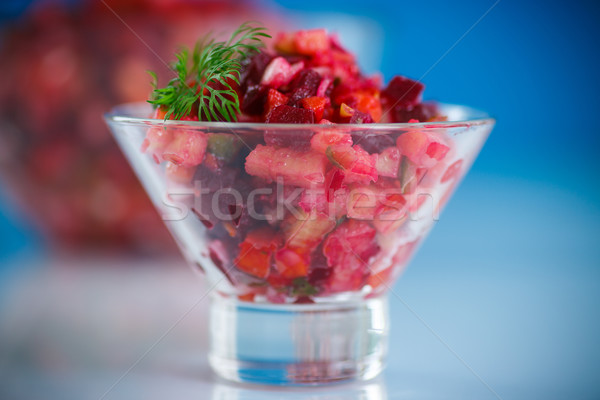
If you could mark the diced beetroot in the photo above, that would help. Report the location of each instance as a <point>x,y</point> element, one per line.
<point>319,271</point>
<point>375,142</point>
<point>452,171</point>
<point>274,98</point>
<point>315,104</point>
<point>255,66</point>
<point>186,149</point>
<point>423,112</point>
<point>256,252</point>
<point>348,250</point>
<point>311,41</point>
<point>360,118</point>
<point>297,139</point>
<point>285,114</point>
<point>299,168</point>
<point>388,162</point>
<point>318,276</point>
<point>403,92</point>
<point>253,102</point>
<point>228,213</point>
<point>305,85</point>
<point>304,300</point>
<point>213,180</point>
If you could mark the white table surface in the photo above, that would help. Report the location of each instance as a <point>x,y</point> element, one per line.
<point>501,302</point>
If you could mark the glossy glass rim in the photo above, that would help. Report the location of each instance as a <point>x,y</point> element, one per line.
<point>118,116</point>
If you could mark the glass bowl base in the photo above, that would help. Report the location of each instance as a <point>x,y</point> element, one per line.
<point>298,344</point>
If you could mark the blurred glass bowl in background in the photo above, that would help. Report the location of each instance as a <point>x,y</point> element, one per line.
<point>63,67</point>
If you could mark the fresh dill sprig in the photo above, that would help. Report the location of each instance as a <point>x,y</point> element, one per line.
<point>205,79</point>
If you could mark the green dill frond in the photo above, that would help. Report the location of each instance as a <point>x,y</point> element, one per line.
<point>204,80</point>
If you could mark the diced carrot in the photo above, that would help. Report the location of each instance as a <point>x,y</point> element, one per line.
<point>256,252</point>
<point>274,98</point>
<point>246,297</point>
<point>316,104</point>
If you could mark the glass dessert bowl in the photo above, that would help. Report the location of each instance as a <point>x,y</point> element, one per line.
<point>300,229</point>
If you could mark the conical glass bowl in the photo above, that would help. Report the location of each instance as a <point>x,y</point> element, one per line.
<point>299,229</point>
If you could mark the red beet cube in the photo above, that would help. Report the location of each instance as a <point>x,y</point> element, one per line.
<point>403,92</point>
<point>285,114</point>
